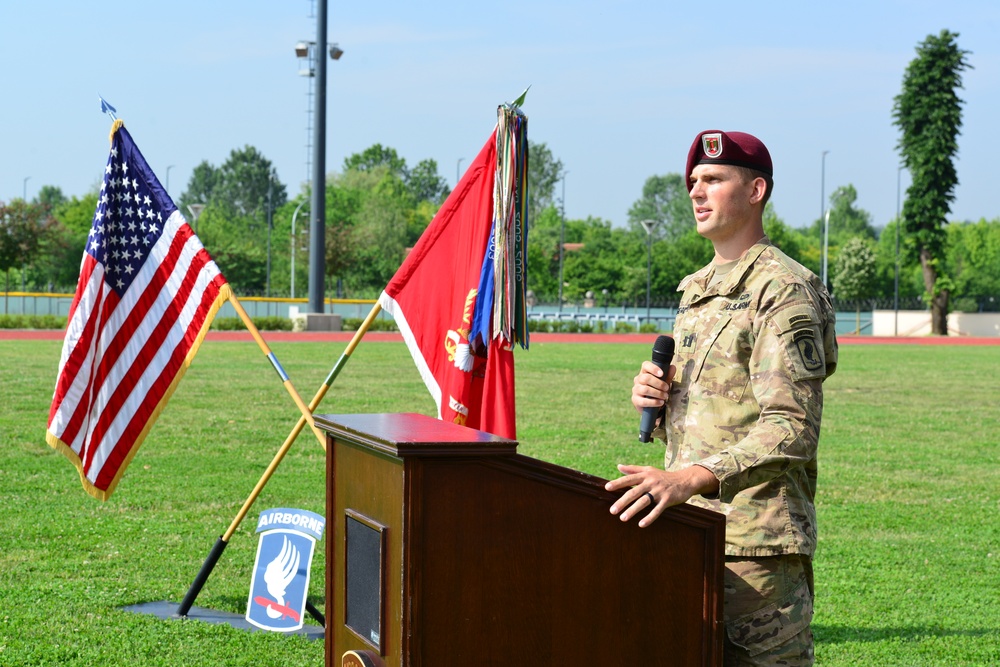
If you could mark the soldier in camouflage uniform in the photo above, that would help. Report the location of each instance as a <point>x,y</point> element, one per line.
<point>743,401</point>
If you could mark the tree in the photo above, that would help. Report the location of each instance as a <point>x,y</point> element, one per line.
<point>244,186</point>
<point>77,213</point>
<point>544,171</point>
<point>664,199</point>
<point>23,229</point>
<point>846,220</point>
<point>199,189</point>
<point>423,181</point>
<point>543,254</point>
<point>928,112</point>
<point>237,248</point>
<point>910,279</point>
<point>243,183</point>
<point>855,274</point>
<point>973,259</point>
<point>789,241</point>
<point>377,156</point>
<point>675,259</point>
<point>426,184</point>
<point>50,196</point>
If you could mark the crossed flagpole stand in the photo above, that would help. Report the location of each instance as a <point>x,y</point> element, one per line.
<point>306,418</point>
<point>307,412</point>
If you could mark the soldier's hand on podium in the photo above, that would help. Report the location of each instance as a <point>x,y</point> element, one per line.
<point>655,490</point>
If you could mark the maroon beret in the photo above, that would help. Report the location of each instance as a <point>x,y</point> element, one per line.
<point>735,148</point>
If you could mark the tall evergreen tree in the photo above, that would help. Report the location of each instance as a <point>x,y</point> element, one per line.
<point>928,111</point>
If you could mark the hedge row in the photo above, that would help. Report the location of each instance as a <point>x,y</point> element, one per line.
<point>269,323</point>
<point>266,323</point>
<point>32,322</point>
<point>543,326</point>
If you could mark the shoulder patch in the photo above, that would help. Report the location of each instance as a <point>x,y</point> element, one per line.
<point>805,343</point>
<point>799,330</point>
<point>795,317</point>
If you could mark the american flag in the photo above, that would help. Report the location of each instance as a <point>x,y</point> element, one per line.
<point>147,294</point>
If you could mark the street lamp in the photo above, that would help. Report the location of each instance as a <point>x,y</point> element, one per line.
<point>24,198</point>
<point>562,237</point>
<point>317,230</point>
<point>822,209</point>
<point>822,184</point>
<point>295,215</point>
<point>649,226</point>
<point>270,226</point>
<point>458,171</point>
<point>826,241</point>
<point>899,222</point>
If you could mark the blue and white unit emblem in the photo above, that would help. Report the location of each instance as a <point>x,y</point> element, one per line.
<point>280,582</point>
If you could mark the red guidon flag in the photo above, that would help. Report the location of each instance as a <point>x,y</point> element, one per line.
<point>147,294</point>
<point>434,294</point>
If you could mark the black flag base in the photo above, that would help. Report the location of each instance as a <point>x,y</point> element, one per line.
<point>168,610</point>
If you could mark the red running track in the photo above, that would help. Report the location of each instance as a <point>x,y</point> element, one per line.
<point>381,336</point>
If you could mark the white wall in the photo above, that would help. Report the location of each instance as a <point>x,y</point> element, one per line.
<point>918,323</point>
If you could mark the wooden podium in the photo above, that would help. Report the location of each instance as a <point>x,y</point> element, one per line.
<point>446,547</point>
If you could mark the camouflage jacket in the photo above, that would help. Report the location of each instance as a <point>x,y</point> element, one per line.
<point>747,397</point>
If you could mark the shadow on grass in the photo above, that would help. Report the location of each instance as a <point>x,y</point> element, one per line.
<point>841,634</point>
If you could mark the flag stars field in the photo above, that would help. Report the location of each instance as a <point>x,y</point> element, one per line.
<point>136,321</point>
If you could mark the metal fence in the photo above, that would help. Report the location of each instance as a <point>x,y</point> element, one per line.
<point>42,303</point>
<point>852,317</point>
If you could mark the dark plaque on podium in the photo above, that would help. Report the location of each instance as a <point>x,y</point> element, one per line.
<point>446,547</point>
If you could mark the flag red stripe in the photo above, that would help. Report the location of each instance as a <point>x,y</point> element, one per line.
<point>83,382</point>
<point>159,388</point>
<point>107,355</point>
<point>134,331</point>
<point>78,356</point>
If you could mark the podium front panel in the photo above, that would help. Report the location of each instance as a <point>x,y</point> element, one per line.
<point>492,558</point>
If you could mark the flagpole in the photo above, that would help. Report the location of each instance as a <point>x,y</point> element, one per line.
<point>220,544</point>
<point>306,411</point>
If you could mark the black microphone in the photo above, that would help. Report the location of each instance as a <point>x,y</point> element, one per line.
<point>663,352</point>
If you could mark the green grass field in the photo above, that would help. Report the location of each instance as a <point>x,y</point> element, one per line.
<point>908,570</point>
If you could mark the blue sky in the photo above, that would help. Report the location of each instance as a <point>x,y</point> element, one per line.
<point>618,89</point>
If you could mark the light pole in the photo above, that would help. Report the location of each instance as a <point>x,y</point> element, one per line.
<point>826,237</point>
<point>649,226</point>
<point>822,184</point>
<point>562,237</point>
<point>458,171</point>
<point>317,229</point>
<point>24,198</point>
<point>295,215</point>
<point>270,226</point>
<point>899,222</point>
<point>823,210</point>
